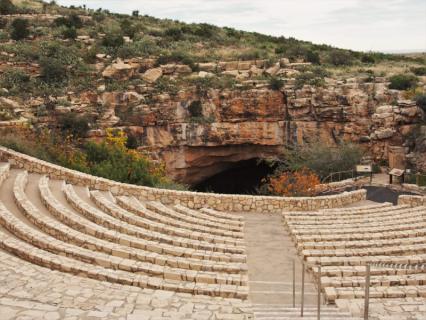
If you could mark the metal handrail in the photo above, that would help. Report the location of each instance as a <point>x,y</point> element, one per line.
<point>329,178</point>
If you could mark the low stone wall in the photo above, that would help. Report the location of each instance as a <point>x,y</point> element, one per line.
<point>195,200</point>
<point>413,201</point>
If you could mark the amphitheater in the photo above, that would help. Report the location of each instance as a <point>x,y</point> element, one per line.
<point>74,246</point>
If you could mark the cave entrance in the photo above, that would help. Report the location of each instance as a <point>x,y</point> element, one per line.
<point>242,177</point>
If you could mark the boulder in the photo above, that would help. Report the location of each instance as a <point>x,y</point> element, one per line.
<point>152,75</point>
<point>382,134</point>
<point>183,69</point>
<point>204,74</point>
<point>210,66</point>
<point>273,70</point>
<point>119,71</point>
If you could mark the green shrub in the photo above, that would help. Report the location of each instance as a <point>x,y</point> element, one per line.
<point>19,29</point>
<point>53,71</point>
<point>72,21</point>
<point>7,7</point>
<point>403,81</point>
<point>113,40</point>
<point>174,33</point>
<point>276,83</point>
<point>76,125</point>
<point>127,28</point>
<point>195,109</point>
<point>368,58</point>
<point>421,101</point>
<point>340,58</point>
<point>419,71</point>
<point>69,33</point>
<point>312,57</point>
<point>15,80</point>
<point>312,76</point>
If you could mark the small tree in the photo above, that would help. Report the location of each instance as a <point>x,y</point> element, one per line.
<point>76,125</point>
<point>20,29</point>
<point>7,7</point>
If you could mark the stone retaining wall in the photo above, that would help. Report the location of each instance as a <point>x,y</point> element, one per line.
<point>229,203</point>
<point>413,201</point>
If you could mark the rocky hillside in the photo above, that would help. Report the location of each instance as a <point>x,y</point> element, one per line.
<point>200,97</point>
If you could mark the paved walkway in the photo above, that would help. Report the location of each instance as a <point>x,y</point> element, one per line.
<point>270,254</point>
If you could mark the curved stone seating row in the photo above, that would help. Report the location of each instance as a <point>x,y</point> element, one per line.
<point>221,215</point>
<point>161,209</point>
<point>333,245</point>
<point>360,271</point>
<point>415,231</point>
<point>53,245</point>
<point>197,239</point>
<point>364,260</point>
<point>395,225</point>
<point>402,213</point>
<point>395,250</point>
<point>233,222</point>
<point>375,280</point>
<point>65,264</point>
<point>104,219</point>
<point>336,214</point>
<point>377,292</point>
<point>42,240</point>
<point>175,219</point>
<point>343,242</point>
<point>85,233</point>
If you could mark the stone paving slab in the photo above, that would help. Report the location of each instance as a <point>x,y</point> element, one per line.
<point>31,292</point>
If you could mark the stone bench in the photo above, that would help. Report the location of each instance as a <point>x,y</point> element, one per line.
<point>170,247</point>
<point>403,213</point>
<point>331,293</point>
<point>103,239</point>
<point>52,261</point>
<point>133,205</point>
<point>215,217</point>
<point>194,239</point>
<point>415,231</point>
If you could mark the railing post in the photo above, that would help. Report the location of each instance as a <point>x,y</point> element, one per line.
<point>302,304</point>
<point>294,283</point>
<point>367,292</point>
<point>319,294</point>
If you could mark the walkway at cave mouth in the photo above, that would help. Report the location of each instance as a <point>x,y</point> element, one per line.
<point>244,177</point>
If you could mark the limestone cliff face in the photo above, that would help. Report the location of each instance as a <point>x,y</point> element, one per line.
<point>244,124</point>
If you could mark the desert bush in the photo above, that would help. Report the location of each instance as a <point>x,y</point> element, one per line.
<point>419,71</point>
<point>7,7</point>
<point>53,71</point>
<point>75,125</point>
<point>174,33</point>
<point>15,80</point>
<point>69,33</point>
<point>299,183</point>
<point>71,21</point>
<point>312,57</point>
<point>421,101</point>
<point>340,58</point>
<point>276,83</point>
<point>195,108</point>
<point>128,28</point>
<point>113,40</point>
<point>368,58</point>
<point>403,81</point>
<point>312,76</point>
<point>19,29</point>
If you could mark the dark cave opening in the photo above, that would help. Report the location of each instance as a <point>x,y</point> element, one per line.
<point>243,177</point>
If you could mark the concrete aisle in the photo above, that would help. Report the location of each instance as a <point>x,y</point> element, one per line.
<point>270,254</point>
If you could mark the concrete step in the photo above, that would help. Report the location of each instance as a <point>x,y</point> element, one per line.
<point>284,312</point>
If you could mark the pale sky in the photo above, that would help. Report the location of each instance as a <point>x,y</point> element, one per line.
<point>378,25</point>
